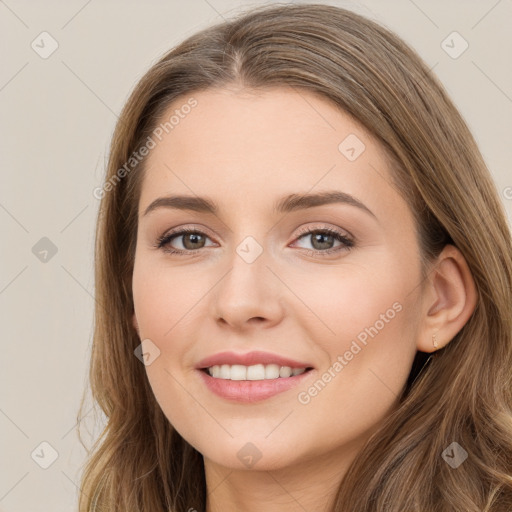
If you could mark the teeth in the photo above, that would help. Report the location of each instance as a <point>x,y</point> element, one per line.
<point>238,372</point>
<point>271,371</point>
<point>254,372</point>
<point>285,371</point>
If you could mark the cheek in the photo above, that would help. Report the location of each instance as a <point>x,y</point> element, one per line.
<point>364,312</point>
<point>170,308</point>
<point>163,297</point>
<point>366,332</point>
<point>368,361</point>
<point>361,301</point>
<point>164,300</point>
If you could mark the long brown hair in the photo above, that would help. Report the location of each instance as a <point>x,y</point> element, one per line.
<point>463,394</point>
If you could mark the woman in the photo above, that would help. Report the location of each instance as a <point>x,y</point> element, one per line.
<point>304,282</point>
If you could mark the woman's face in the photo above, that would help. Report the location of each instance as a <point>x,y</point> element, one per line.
<point>276,279</point>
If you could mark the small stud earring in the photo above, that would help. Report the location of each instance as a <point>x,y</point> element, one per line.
<point>434,340</point>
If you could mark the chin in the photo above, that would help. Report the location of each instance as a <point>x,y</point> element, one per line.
<point>253,455</point>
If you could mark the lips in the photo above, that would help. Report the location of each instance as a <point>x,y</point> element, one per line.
<point>236,388</point>
<point>250,359</point>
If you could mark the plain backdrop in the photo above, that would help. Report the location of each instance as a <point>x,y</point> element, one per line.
<point>58,112</point>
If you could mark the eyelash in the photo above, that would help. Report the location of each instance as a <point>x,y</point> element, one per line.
<point>348,244</point>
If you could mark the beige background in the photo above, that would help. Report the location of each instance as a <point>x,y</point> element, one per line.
<point>58,115</point>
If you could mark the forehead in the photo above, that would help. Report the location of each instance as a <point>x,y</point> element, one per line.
<point>262,121</point>
<point>241,145</point>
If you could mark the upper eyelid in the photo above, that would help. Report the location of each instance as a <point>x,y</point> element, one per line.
<point>301,230</point>
<point>340,231</point>
<point>186,227</point>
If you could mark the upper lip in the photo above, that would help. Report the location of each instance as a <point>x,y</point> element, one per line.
<point>249,359</point>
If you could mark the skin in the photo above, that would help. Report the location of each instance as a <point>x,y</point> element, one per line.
<point>245,150</point>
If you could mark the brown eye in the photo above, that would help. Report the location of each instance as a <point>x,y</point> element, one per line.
<point>323,241</point>
<point>190,240</point>
<point>193,241</point>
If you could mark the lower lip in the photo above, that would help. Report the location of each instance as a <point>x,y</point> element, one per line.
<point>247,391</point>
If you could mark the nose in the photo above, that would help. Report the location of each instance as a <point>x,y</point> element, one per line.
<point>249,295</point>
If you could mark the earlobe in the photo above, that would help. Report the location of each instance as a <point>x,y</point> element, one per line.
<point>450,299</point>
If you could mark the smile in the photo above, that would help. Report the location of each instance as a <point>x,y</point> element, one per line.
<point>252,376</point>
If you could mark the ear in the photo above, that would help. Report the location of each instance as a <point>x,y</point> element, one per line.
<point>449,299</point>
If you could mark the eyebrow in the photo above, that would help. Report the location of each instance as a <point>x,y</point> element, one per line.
<point>286,204</point>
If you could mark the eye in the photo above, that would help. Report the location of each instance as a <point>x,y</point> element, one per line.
<point>190,240</point>
<point>323,241</point>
